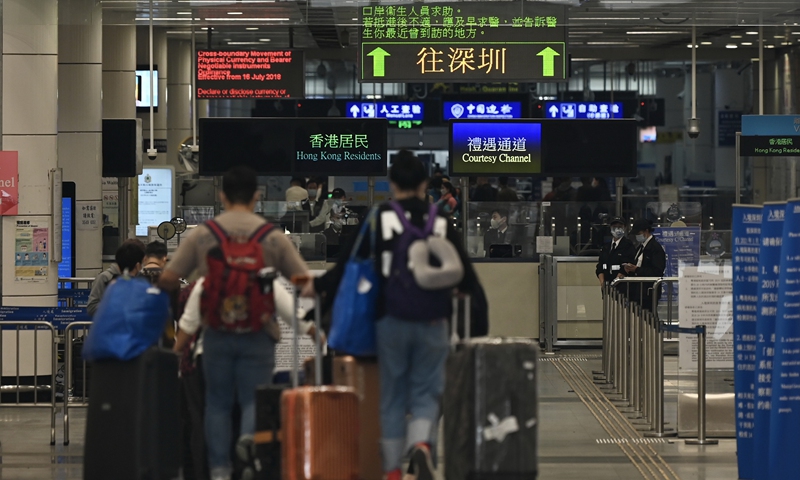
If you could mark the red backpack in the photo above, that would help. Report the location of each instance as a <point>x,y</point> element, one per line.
<point>234,299</point>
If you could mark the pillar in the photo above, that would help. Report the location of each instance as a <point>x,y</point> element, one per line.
<point>179,92</point>
<point>80,110</point>
<point>160,62</point>
<point>119,101</point>
<point>728,97</point>
<point>29,126</point>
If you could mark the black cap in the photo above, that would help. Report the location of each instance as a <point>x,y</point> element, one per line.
<point>641,225</point>
<point>616,220</point>
<point>338,193</point>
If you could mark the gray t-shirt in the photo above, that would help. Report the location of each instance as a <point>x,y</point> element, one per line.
<point>279,252</point>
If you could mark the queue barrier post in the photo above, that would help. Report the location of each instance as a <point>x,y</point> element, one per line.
<point>68,380</point>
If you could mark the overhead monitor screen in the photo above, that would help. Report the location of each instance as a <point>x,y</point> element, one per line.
<point>282,146</point>
<point>143,88</point>
<point>250,74</point>
<point>648,134</point>
<point>588,147</point>
<point>495,148</point>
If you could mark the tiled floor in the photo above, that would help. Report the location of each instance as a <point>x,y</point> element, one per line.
<point>570,441</point>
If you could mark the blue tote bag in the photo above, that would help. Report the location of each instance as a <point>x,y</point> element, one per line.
<point>354,308</point>
<point>130,319</point>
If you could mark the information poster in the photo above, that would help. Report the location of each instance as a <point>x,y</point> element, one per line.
<point>682,246</point>
<point>746,234</point>
<point>31,249</point>
<point>784,461</point>
<point>769,270</point>
<point>110,202</point>
<point>283,350</point>
<point>155,198</point>
<point>496,148</point>
<point>89,215</point>
<point>706,299</point>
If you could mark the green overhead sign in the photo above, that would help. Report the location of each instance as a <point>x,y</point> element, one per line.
<point>463,42</point>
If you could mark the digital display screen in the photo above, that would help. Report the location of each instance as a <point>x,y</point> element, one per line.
<point>389,110</point>
<point>482,110</point>
<point>495,148</point>
<point>143,88</point>
<point>119,148</point>
<point>462,42</point>
<point>586,110</point>
<point>283,146</point>
<point>66,268</point>
<point>648,134</point>
<point>588,147</point>
<point>250,74</point>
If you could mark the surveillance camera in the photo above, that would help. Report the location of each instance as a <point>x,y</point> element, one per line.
<point>694,128</point>
<point>152,153</point>
<point>681,94</point>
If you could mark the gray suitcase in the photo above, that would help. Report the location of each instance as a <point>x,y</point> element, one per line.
<point>491,411</point>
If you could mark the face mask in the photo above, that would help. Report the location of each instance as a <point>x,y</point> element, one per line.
<point>495,223</point>
<point>312,194</point>
<point>444,192</point>
<point>640,238</point>
<point>617,232</point>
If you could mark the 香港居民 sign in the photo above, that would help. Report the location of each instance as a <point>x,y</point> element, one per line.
<point>463,42</point>
<point>340,147</point>
<point>769,146</point>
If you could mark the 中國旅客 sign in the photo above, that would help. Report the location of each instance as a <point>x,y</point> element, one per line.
<point>482,110</point>
<point>463,42</point>
<point>501,148</point>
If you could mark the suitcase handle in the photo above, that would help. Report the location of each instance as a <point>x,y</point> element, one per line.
<point>467,318</point>
<point>298,281</point>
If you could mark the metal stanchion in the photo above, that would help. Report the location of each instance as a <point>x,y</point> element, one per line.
<point>658,360</point>
<point>601,376</point>
<point>701,392</point>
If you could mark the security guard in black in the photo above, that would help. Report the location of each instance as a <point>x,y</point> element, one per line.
<point>614,254</point>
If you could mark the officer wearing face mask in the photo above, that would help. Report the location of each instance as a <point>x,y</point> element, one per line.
<point>615,254</point>
<point>650,260</point>
<point>499,232</point>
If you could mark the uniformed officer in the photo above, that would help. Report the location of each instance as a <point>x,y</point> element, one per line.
<point>614,254</point>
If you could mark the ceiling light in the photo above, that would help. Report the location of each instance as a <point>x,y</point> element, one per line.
<point>780,36</point>
<point>355,19</point>
<point>706,43</point>
<point>606,43</point>
<point>736,36</point>
<point>795,33</point>
<point>251,28</point>
<point>244,43</point>
<point>163,19</point>
<point>652,32</point>
<point>769,46</point>
<point>731,46</point>
<point>786,43</point>
<point>746,44</point>
<point>234,13</point>
<point>264,39</point>
<point>184,13</point>
<point>752,33</point>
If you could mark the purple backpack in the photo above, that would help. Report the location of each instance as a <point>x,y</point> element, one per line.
<point>404,298</point>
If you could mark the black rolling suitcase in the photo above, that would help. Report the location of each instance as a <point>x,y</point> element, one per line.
<point>133,422</point>
<point>491,410</point>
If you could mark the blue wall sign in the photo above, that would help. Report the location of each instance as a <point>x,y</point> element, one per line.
<point>388,110</point>
<point>590,110</point>
<point>781,125</point>
<point>728,123</point>
<point>482,110</point>
<point>769,268</point>
<point>746,246</point>
<point>784,442</point>
<point>495,148</point>
<point>59,317</point>
<point>682,246</point>
<point>65,267</point>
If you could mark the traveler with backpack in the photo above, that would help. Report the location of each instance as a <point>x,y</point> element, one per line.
<point>155,258</point>
<point>128,257</point>
<point>412,326</point>
<point>236,252</point>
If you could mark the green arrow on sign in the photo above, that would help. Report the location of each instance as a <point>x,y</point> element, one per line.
<point>378,58</point>
<point>548,55</point>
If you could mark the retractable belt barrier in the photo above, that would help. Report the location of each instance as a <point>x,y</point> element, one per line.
<point>633,356</point>
<point>71,401</point>
<point>41,327</point>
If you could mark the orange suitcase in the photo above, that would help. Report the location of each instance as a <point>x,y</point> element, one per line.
<point>363,375</point>
<point>319,424</point>
<point>320,433</point>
